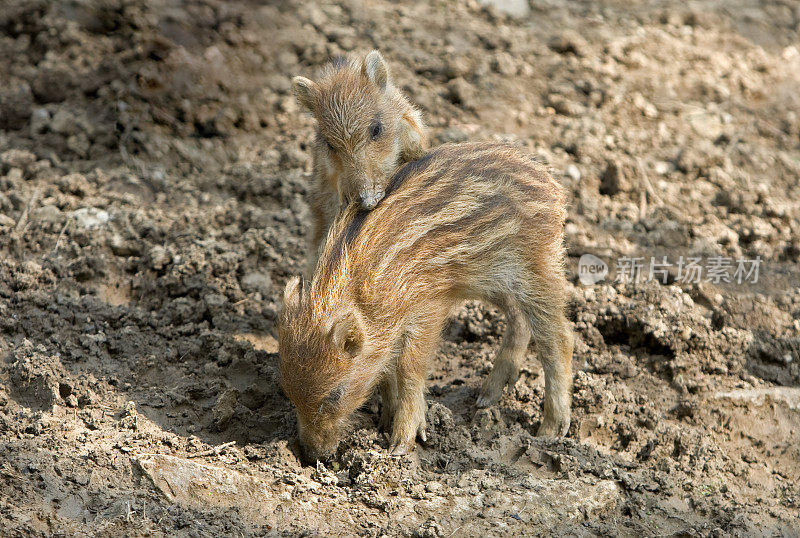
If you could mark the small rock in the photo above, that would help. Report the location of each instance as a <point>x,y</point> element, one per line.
<point>459,66</point>
<point>16,104</point>
<point>568,42</point>
<point>17,158</point>
<point>504,64</point>
<point>430,529</point>
<point>433,487</point>
<point>48,213</point>
<point>65,389</point>
<point>573,172</point>
<point>647,108</point>
<point>34,387</point>
<point>51,85</point>
<point>564,106</point>
<point>264,342</point>
<point>63,123</point>
<point>662,167</point>
<point>313,13</point>
<point>706,124</point>
<point>158,257</point>
<point>288,104</point>
<point>614,179</point>
<point>461,92</point>
<point>38,167</point>
<point>787,395</point>
<point>215,300</point>
<point>79,144</point>
<point>90,217</point>
<point>40,120</point>
<point>517,9</point>
<point>257,281</point>
<point>452,134</point>
<point>225,407</point>
<point>122,247</point>
<point>203,487</point>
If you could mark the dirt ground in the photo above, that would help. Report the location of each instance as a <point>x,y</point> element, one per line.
<point>153,167</point>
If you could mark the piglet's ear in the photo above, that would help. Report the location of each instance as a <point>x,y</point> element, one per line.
<point>291,293</point>
<point>376,70</point>
<point>347,334</point>
<point>413,141</point>
<point>306,91</point>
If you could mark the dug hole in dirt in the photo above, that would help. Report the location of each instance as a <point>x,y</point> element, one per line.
<point>153,167</point>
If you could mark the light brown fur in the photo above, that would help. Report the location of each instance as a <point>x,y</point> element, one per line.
<point>350,101</point>
<point>470,221</point>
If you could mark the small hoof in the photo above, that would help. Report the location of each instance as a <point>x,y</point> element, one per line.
<point>487,400</point>
<point>401,449</point>
<point>553,428</point>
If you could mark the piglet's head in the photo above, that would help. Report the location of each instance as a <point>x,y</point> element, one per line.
<point>366,128</point>
<point>320,350</point>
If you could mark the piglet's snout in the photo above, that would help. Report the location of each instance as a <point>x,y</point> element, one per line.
<point>370,198</point>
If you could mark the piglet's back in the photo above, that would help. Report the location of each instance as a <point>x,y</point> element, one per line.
<point>448,218</point>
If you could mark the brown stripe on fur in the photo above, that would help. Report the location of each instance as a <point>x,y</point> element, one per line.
<point>501,178</point>
<point>414,167</point>
<point>457,164</point>
<point>347,237</point>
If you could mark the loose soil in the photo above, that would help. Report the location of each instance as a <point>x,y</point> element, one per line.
<point>153,169</point>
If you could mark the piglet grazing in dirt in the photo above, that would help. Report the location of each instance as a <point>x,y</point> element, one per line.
<point>470,221</point>
<point>366,129</point>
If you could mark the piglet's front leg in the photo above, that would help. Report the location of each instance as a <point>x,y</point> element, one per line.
<point>419,343</point>
<point>409,417</point>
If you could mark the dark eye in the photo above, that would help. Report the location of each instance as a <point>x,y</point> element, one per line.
<point>377,129</point>
<point>328,145</point>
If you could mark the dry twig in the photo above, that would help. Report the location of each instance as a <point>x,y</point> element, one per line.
<point>213,451</point>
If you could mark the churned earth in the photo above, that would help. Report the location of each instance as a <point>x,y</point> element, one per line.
<point>153,167</point>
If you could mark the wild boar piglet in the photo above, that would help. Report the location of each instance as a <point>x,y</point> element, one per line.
<point>470,221</point>
<point>366,129</point>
